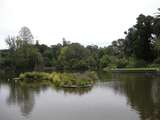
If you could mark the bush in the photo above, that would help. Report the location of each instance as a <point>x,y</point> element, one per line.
<point>73,79</point>
<point>140,63</point>
<point>157,61</point>
<point>121,63</point>
<point>154,65</point>
<point>136,63</point>
<point>34,76</point>
<point>62,79</point>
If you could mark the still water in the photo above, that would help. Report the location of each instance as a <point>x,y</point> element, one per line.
<point>125,96</point>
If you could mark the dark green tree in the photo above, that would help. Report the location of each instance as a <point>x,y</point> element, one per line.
<point>139,38</point>
<point>74,56</point>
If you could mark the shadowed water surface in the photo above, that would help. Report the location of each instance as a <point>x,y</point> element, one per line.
<point>116,96</point>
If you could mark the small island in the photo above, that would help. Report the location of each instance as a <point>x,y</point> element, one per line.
<point>59,79</point>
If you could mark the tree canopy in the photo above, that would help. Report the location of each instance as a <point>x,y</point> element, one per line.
<point>139,48</point>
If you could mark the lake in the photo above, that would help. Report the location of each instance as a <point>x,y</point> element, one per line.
<point>116,96</point>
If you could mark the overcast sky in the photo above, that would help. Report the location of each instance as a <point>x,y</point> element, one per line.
<point>85,21</point>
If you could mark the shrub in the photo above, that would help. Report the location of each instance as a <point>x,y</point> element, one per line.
<point>121,63</point>
<point>157,61</point>
<point>73,79</point>
<point>140,63</point>
<point>136,63</point>
<point>62,79</point>
<point>34,76</point>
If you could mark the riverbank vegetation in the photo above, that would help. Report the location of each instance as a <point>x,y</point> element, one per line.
<point>132,69</point>
<point>68,80</point>
<point>139,48</point>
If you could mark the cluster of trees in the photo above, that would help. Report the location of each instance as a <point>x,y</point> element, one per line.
<point>24,55</point>
<point>141,45</point>
<point>140,48</point>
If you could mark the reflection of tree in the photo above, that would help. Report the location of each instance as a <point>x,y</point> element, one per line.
<point>23,96</point>
<point>4,78</point>
<point>143,95</point>
<point>104,76</point>
<point>76,91</point>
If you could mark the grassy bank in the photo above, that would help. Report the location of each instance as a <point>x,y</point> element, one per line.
<point>133,69</point>
<point>69,80</point>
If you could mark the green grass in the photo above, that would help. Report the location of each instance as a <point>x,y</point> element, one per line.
<point>134,69</point>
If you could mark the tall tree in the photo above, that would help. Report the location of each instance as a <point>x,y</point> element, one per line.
<point>74,56</point>
<point>11,42</point>
<point>26,35</point>
<point>158,13</point>
<point>139,38</point>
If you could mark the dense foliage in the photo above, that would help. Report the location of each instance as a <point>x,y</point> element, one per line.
<point>139,48</point>
<point>60,79</point>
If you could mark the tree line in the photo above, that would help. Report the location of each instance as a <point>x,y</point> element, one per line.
<point>139,48</point>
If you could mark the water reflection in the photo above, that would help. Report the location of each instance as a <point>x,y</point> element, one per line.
<point>74,91</point>
<point>23,95</point>
<point>141,90</point>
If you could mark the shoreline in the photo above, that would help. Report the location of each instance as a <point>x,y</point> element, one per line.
<point>121,70</point>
